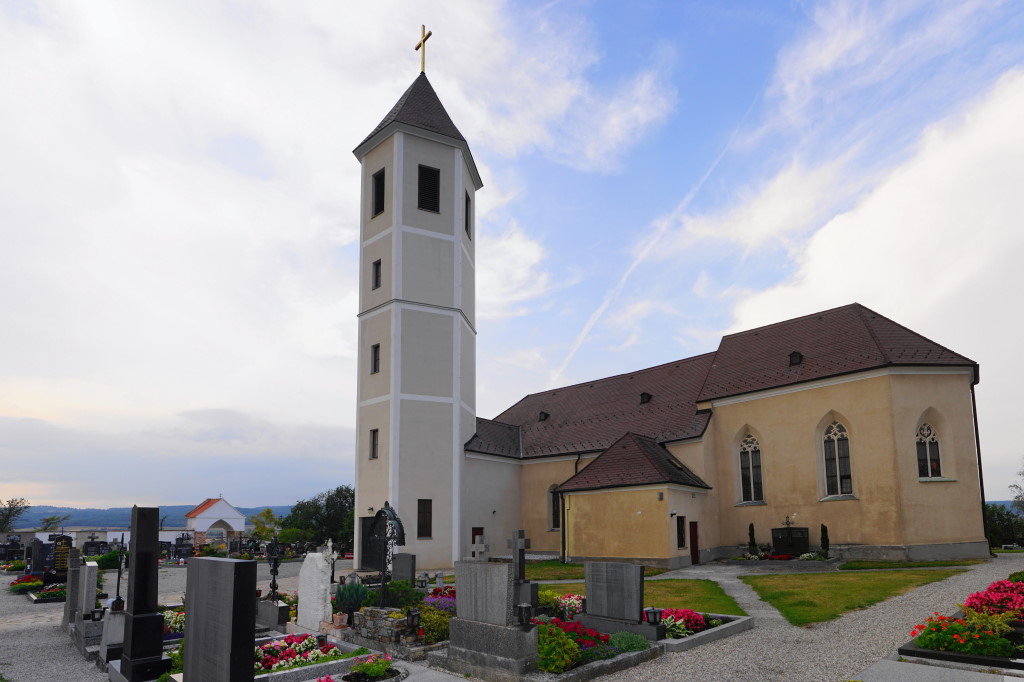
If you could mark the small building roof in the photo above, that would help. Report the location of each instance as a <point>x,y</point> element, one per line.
<point>633,460</point>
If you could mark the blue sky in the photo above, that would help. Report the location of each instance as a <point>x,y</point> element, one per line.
<point>178,206</point>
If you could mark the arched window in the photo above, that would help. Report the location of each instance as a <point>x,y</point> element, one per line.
<point>750,470</point>
<point>928,453</point>
<point>838,479</point>
<point>556,508</point>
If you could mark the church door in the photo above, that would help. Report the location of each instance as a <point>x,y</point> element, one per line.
<point>694,544</point>
<point>476,532</point>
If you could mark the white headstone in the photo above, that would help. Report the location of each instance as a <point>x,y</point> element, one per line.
<point>314,592</point>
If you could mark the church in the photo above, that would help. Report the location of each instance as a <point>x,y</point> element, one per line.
<point>843,418</point>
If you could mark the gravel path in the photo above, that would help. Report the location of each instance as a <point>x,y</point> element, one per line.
<point>836,650</point>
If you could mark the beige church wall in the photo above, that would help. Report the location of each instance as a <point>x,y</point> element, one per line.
<point>536,478</point>
<point>624,523</point>
<point>418,151</point>
<point>936,511</point>
<point>427,368</point>
<point>695,505</point>
<point>425,472</point>
<point>469,290</point>
<point>373,474</point>
<point>378,250</point>
<point>382,156</point>
<point>490,500</point>
<point>789,428</point>
<point>428,267</point>
<point>374,329</point>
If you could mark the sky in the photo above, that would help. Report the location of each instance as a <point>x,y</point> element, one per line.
<point>179,210</point>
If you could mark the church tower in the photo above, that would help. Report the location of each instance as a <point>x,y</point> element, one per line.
<point>417,329</point>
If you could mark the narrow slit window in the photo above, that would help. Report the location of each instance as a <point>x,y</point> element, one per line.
<point>378,193</point>
<point>429,189</point>
<point>681,532</point>
<point>556,510</point>
<point>750,470</point>
<point>424,518</point>
<point>374,358</point>
<point>374,443</point>
<point>375,275</point>
<point>469,216</point>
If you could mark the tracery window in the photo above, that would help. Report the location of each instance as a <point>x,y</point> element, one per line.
<point>928,465</point>
<point>838,477</point>
<point>750,470</point>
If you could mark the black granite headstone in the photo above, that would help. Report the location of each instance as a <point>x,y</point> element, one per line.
<point>62,545</point>
<point>105,548</point>
<point>790,540</point>
<point>143,658</point>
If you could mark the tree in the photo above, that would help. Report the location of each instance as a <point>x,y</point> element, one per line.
<point>11,511</point>
<point>1018,493</point>
<point>1003,526</point>
<point>49,523</point>
<point>331,514</point>
<point>265,524</point>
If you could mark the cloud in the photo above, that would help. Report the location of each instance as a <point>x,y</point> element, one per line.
<point>629,319</point>
<point>509,272</point>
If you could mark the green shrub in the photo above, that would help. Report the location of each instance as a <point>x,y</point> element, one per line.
<point>400,595</point>
<point>1017,577</point>
<point>435,624</point>
<point>629,641</point>
<point>751,542</point>
<point>980,621</point>
<point>177,657</point>
<point>105,562</point>
<point>824,540</point>
<point>557,651</point>
<point>17,566</point>
<point>548,598</point>
<point>350,596</point>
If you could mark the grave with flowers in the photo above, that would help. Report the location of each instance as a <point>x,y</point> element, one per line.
<point>987,632</point>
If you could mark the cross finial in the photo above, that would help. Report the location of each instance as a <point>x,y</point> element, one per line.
<point>422,47</point>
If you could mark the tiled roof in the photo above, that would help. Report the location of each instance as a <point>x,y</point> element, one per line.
<point>591,416</point>
<point>494,438</point>
<point>834,342</point>
<point>632,460</point>
<point>419,107</point>
<point>203,506</point>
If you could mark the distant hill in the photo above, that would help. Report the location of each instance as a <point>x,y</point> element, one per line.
<point>117,517</point>
<point>1003,503</point>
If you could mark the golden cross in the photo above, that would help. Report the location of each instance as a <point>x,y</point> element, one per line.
<point>424,34</point>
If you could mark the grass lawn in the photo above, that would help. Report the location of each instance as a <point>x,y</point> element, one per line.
<point>815,597</point>
<point>699,595</point>
<point>865,565</point>
<point>553,569</point>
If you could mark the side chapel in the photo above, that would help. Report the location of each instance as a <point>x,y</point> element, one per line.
<point>843,417</point>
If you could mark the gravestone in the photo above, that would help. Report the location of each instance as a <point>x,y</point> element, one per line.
<point>481,550</point>
<point>314,592</point>
<point>526,591</point>
<point>91,548</point>
<point>86,632</point>
<point>790,540</point>
<point>105,548</point>
<point>403,567</point>
<point>221,608</point>
<point>353,577</point>
<point>143,658</point>
<point>615,597</point>
<point>62,545</point>
<point>112,640</point>
<point>165,549</point>
<point>484,639</point>
<point>71,593</point>
<point>438,580</point>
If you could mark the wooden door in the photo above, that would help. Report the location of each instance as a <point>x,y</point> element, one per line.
<point>694,544</point>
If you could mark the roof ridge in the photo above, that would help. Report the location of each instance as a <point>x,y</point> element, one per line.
<point>858,308</point>
<point>789,321</point>
<point>906,329</point>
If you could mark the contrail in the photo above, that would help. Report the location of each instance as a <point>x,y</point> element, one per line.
<point>661,227</point>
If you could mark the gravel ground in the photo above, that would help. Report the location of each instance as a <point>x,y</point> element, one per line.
<point>836,650</point>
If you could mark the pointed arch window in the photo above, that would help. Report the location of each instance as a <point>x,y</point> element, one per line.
<point>928,465</point>
<point>750,470</point>
<point>838,477</point>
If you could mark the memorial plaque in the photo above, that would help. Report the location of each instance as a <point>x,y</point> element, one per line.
<point>615,590</point>
<point>62,545</point>
<point>790,540</point>
<point>485,592</point>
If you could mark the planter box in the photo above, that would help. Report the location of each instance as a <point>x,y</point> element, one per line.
<point>583,673</point>
<point>912,649</point>
<point>45,600</point>
<point>732,625</point>
<point>335,668</point>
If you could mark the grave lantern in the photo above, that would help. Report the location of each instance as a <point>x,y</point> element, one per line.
<point>422,579</point>
<point>414,618</point>
<point>653,615</point>
<point>525,613</point>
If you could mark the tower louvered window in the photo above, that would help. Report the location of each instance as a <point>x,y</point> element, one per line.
<point>378,193</point>
<point>430,189</point>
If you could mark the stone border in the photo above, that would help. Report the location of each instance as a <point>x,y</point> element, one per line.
<point>45,600</point>
<point>311,672</point>
<point>733,625</point>
<point>912,649</point>
<point>583,673</point>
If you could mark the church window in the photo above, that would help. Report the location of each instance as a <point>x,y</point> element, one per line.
<point>750,470</point>
<point>681,532</point>
<point>468,217</point>
<point>430,189</point>
<point>375,275</point>
<point>378,193</point>
<point>556,508</point>
<point>928,465</point>
<point>424,518</point>
<point>374,443</point>
<point>838,475</point>
<point>374,358</point>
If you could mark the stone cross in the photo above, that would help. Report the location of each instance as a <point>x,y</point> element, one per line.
<point>518,543</point>
<point>421,47</point>
<point>329,554</point>
<point>480,548</point>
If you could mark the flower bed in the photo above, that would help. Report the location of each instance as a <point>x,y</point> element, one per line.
<point>26,583</point>
<point>50,594</point>
<point>987,632</point>
<point>726,627</point>
<point>295,651</point>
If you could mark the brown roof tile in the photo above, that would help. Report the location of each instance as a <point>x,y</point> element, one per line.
<point>632,460</point>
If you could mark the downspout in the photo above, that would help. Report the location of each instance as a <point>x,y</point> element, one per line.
<point>561,508</point>
<point>981,475</point>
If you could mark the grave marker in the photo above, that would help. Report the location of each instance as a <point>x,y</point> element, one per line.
<point>615,596</point>
<point>403,567</point>
<point>221,608</point>
<point>71,593</point>
<point>314,592</point>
